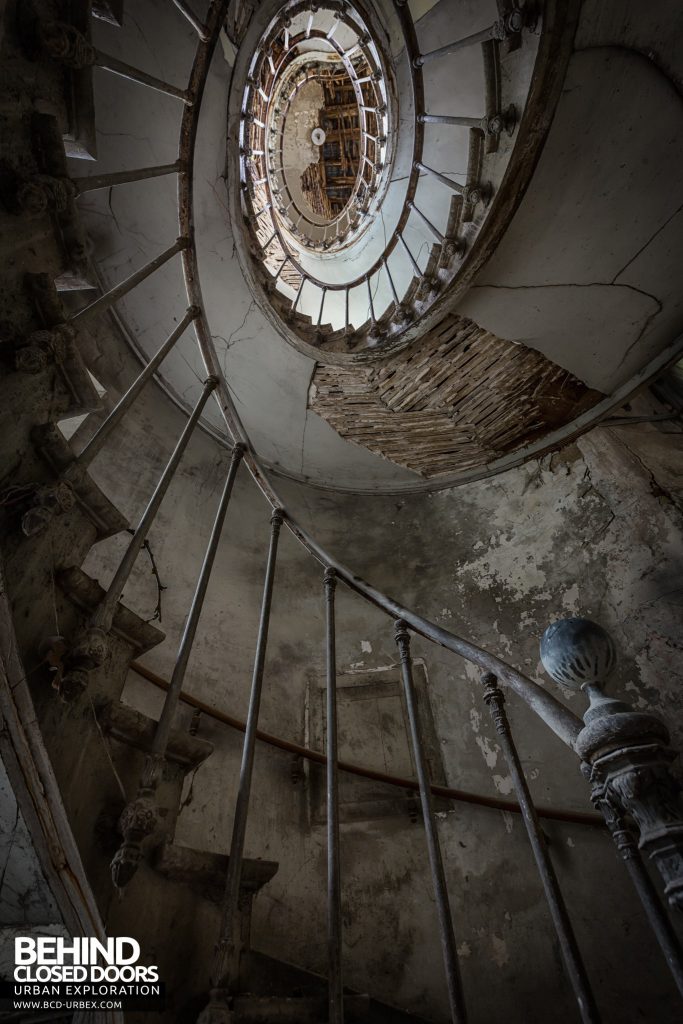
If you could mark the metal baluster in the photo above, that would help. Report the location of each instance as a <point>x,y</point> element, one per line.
<point>298,294</point>
<point>495,701</point>
<point>391,282</point>
<point>334,918</point>
<point>103,616</point>
<point>470,193</point>
<point>119,67</point>
<point>435,231</point>
<point>492,124</point>
<point>140,817</point>
<point>163,729</point>
<point>116,293</point>
<point>467,122</point>
<point>322,303</point>
<point>412,259</point>
<point>419,166</point>
<point>373,321</point>
<point>281,267</point>
<point>346,310</point>
<point>100,436</point>
<point>644,886</point>
<point>228,944</point>
<point>92,182</point>
<point>197,25</point>
<point>456,997</point>
<point>499,30</point>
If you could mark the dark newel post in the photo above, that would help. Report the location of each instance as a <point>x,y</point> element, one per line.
<point>456,997</point>
<point>627,847</point>
<point>626,752</point>
<point>495,700</point>
<point>334,918</point>
<point>226,964</point>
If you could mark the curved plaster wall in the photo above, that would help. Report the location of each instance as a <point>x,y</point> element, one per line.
<point>586,273</point>
<point>495,563</point>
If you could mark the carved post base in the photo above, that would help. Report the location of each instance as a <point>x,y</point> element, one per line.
<point>47,502</point>
<point>629,768</point>
<point>139,820</point>
<point>217,1010</point>
<point>86,654</point>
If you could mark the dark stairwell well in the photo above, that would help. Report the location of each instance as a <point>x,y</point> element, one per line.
<point>320,404</point>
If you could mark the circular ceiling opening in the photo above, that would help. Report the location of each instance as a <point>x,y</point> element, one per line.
<point>314,138</point>
<point>320,142</point>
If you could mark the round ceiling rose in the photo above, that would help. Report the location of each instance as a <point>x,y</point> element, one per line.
<point>317,136</point>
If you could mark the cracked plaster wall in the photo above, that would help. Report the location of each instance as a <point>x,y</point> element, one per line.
<point>590,531</point>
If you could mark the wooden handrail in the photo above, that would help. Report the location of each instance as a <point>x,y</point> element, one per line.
<point>459,795</point>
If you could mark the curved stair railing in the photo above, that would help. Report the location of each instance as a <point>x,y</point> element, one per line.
<point>446,245</point>
<point>623,753</point>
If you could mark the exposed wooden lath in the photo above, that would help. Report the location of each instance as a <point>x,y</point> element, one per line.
<point>455,400</point>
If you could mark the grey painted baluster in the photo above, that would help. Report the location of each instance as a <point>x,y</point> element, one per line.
<point>141,817</point>
<point>103,615</point>
<point>644,886</point>
<point>100,436</point>
<point>93,182</point>
<point>119,290</point>
<point>334,918</point>
<point>456,997</point>
<point>227,952</point>
<point>495,701</point>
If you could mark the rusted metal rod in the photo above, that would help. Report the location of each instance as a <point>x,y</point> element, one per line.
<point>118,67</point>
<point>298,294</point>
<point>419,166</point>
<point>163,728</point>
<point>657,916</point>
<point>104,613</point>
<point>434,230</point>
<point>334,914</point>
<point>574,966</point>
<point>281,267</point>
<point>456,998</point>
<point>188,13</point>
<point>459,795</point>
<point>491,32</point>
<point>223,977</point>
<point>412,259</point>
<point>100,436</point>
<point>119,290</point>
<point>372,304</point>
<point>391,283</point>
<point>467,122</point>
<point>92,182</point>
<point>322,303</point>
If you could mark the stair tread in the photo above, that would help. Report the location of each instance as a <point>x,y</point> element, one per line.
<point>133,727</point>
<point>87,593</point>
<point>206,870</point>
<point>285,978</point>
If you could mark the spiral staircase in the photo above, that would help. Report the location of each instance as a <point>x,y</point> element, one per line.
<point>377,358</point>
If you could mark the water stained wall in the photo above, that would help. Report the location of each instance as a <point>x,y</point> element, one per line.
<point>589,531</point>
